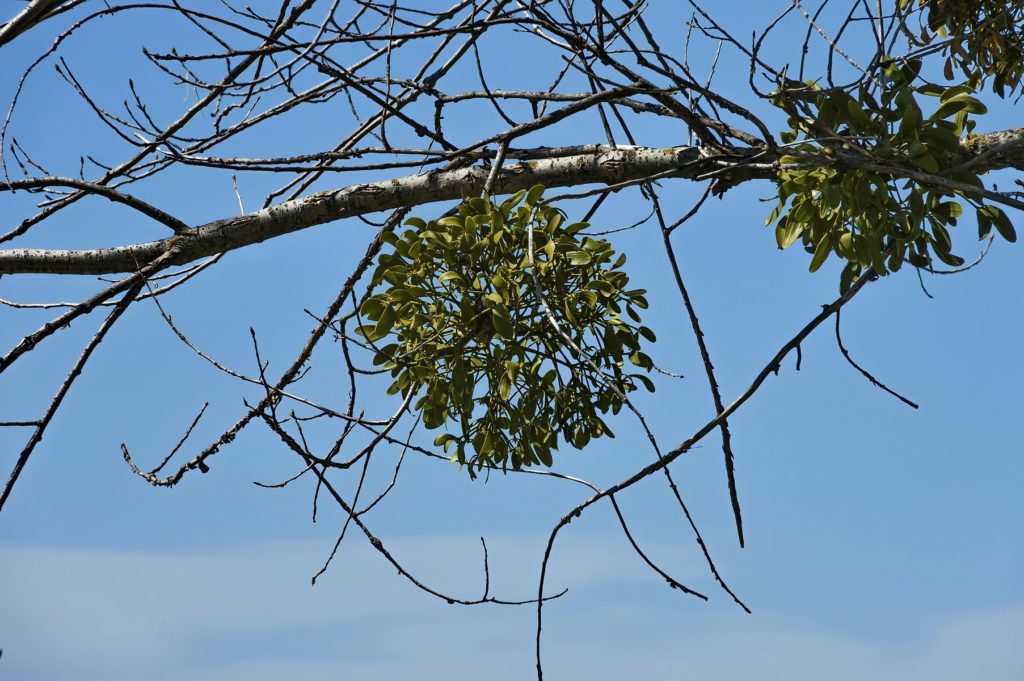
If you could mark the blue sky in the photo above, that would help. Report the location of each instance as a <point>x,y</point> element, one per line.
<point>883,542</point>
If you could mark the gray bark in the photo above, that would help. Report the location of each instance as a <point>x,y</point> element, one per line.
<point>609,166</point>
<point>35,12</point>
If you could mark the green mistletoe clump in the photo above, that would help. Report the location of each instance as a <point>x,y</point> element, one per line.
<point>511,350</point>
<point>875,178</point>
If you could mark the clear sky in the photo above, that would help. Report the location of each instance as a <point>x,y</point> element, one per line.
<point>882,542</point>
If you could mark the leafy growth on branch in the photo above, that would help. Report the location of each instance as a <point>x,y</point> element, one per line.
<point>892,180</point>
<point>982,38</point>
<point>462,323</point>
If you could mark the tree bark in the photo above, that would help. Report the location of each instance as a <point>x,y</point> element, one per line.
<point>607,166</point>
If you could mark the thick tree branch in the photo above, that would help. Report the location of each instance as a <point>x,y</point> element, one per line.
<point>36,11</point>
<point>991,151</point>
<point>609,166</point>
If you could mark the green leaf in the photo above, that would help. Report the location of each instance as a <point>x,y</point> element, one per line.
<point>874,249</point>
<point>579,258</point>
<point>384,325</point>
<point>948,109</point>
<point>960,103</point>
<point>849,273</point>
<point>821,252</point>
<point>646,381</point>
<point>504,388</point>
<point>787,233</point>
<point>992,215</point>
<point>943,242</point>
<point>478,204</point>
<point>373,306</point>
<point>485,446</point>
<point>589,297</point>
<point>949,258</point>
<point>444,440</point>
<point>911,119</point>
<point>954,91</point>
<point>984,222</point>
<point>533,196</point>
<point>858,118</point>
<point>931,89</point>
<point>1003,225</point>
<point>554,222</point>
<point>922,158</point>
<point>502,323</point>
<point>641,360</point>
<point>450,221</point>
<point>974,105</point>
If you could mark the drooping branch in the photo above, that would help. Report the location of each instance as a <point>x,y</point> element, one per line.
<point>58,398</point>
<point>663,462</point>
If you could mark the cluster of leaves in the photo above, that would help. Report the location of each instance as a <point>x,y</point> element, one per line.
<point>982,37</point>
<point>463,320</point>
<point>852,204</point>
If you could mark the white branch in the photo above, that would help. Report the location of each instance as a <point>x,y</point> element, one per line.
<point>609,167</point>
<point>35,12</point>
<point>606,166</point>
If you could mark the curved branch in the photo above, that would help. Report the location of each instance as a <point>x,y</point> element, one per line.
<point>147,209</point>
<point>771,367</point>
<point>40,426</point>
